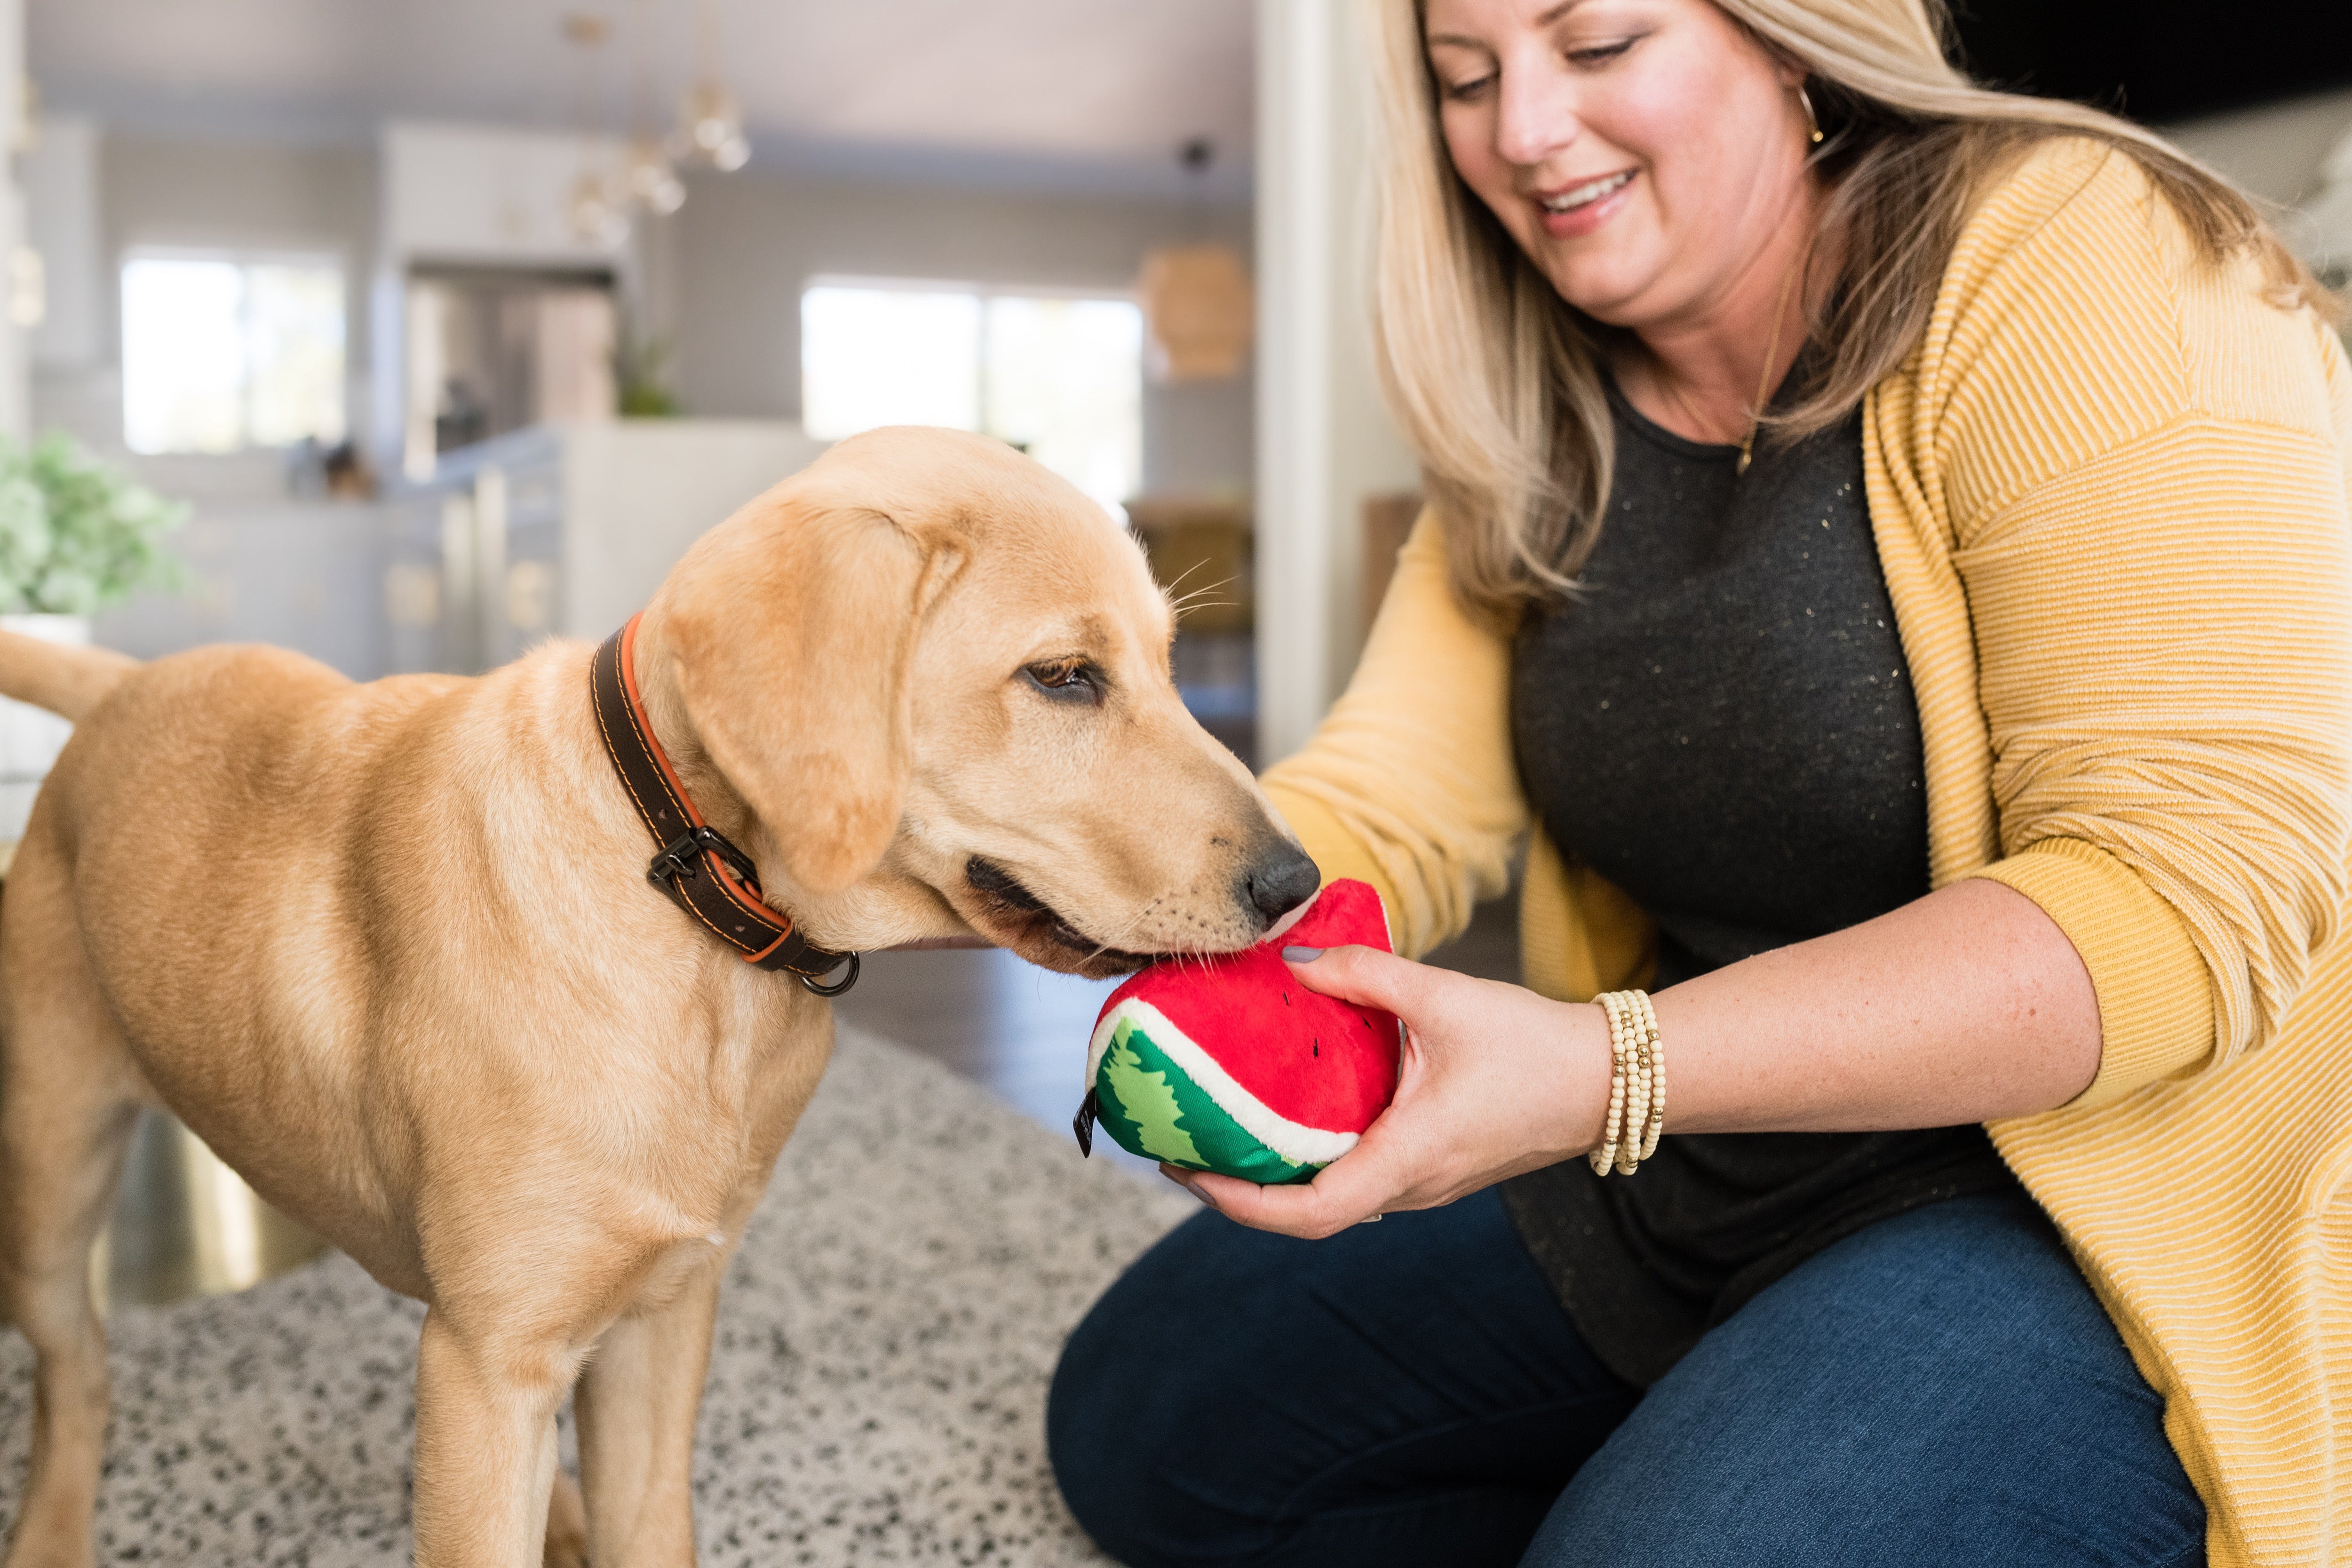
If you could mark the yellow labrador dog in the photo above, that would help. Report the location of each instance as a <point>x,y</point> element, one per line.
<point>392,949</point>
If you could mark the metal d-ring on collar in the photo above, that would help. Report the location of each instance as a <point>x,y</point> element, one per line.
<point>702,872</point>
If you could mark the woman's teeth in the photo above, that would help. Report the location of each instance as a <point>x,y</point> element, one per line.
<point>1567,201</point>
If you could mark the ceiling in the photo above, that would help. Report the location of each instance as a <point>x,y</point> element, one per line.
<point>1090,95</point>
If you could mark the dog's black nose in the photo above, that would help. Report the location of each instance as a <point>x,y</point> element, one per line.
<point>1280,880</point>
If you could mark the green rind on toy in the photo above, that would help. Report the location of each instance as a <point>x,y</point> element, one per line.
<point>1228,1127</point>
<point>1149,1107</point>
<point>1138,1098</point>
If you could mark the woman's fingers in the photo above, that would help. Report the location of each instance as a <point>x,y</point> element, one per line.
<point>1360,975</point>
<point>1494,1080</point>
<point>1346,1191</point>
<point>1388,1169</point>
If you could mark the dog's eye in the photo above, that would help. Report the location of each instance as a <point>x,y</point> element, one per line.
<point>1065,679</point>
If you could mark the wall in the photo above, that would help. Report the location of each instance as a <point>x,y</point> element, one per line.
<point>60,175</point>
<point>1326,442</point>
<point>260,566</point>
<point>209,193</point>
<point>2277,152</point>
<point>739,252</point>
<point>14,383</point>
<point>2297,154</point>
<point>725,276</point>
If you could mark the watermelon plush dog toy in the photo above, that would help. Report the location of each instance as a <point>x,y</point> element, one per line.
<point>1228,1064</point>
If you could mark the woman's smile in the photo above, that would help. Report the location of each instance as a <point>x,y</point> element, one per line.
<point>1644,153</point>
<point>1581,208</point>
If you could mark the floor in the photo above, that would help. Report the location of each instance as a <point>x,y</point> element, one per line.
<point>185,1225</point>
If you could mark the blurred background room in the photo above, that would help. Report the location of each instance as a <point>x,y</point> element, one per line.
<point>406,332</point>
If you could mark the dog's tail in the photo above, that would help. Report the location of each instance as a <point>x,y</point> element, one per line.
<point>67,681</point>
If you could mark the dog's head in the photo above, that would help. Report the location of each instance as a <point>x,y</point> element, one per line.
<point>937,678</point>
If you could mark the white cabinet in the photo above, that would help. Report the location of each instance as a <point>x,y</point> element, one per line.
<point>487,193</point>
<point>302,574</point>
<point>565,530</point>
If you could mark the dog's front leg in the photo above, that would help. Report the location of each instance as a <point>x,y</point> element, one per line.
<point>636,1406</point>
<point>486,1409</point>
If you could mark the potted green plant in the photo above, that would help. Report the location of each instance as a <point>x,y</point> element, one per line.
<point>75,535</point>
<point>641,387</point>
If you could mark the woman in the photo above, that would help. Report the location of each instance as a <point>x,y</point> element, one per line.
<point>1963,741</point>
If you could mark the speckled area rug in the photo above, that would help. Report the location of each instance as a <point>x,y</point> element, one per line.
<point>878,1385</point>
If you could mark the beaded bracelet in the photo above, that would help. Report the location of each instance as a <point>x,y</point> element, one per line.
<point>1637,1084</point>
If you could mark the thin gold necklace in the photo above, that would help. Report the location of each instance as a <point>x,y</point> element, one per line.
<point>1771,354</point>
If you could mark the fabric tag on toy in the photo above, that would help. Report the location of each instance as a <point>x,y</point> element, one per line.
<point>1228,1064</point>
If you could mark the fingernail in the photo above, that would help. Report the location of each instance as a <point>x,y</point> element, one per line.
<point>1301,954</point>
<point>1372,1219</point>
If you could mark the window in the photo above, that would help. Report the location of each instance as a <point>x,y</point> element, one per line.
<point>1059,377</point>
<point>222,353</point>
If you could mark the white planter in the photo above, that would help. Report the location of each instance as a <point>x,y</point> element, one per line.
<point>30,737</point>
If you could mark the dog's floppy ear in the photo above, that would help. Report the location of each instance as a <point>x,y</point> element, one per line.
<point>792,627</point>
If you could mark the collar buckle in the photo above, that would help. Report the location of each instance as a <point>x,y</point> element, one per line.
<point>681,856</point>
<point>726,902</point>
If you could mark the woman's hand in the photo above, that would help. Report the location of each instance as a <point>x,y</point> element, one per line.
<point>1969,1005</point>
<point>1494,1081</point>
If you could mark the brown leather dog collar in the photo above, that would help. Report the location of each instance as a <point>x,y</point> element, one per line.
<point>704,874</point>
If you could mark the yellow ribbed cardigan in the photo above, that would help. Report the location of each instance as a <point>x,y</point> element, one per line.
<point>2109,493</point>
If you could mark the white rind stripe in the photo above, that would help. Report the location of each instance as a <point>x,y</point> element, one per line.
<point>1298,1143</point>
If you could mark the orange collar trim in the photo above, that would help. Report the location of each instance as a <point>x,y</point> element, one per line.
<point>703,873</point>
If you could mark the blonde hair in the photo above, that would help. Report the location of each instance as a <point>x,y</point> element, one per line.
<point>1499,383</point>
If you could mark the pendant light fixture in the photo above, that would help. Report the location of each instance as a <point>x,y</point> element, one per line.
<point>596,216</point>
<point>597,208</point>
<point>645,172</point>
<point>652,183</point>
<point>1197,300</point>
<point>709,122</point>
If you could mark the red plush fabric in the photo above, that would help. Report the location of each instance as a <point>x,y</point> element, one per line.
<point>1312,1058</point>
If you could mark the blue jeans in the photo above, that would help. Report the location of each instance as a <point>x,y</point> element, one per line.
<point>1941,1388</point>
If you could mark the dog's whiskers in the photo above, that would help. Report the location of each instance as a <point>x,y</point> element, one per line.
<point>1184,604</point>
<point>1168,588</point>
<point>1140,915</point>
<point>1186,598</point>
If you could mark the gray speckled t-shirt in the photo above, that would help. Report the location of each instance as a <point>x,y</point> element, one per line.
<point>1723,726</point>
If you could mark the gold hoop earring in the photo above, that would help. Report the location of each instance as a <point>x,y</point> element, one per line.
<point>1813,121</point>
